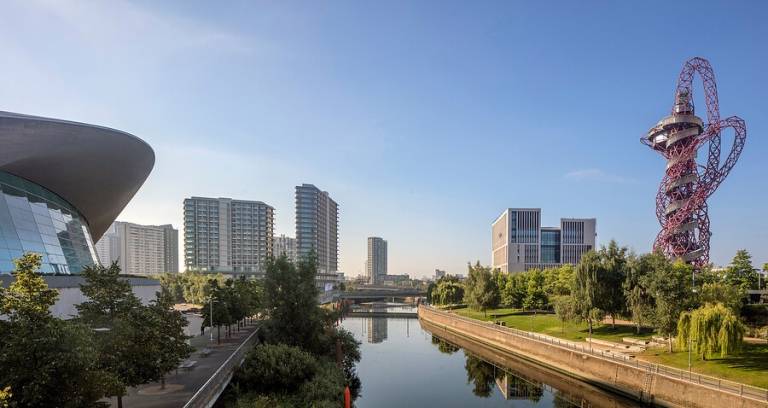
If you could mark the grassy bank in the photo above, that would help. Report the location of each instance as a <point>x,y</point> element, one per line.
<point>748,367</point>
<point>550,325</point>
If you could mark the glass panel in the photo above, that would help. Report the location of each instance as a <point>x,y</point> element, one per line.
<point>35,219</point>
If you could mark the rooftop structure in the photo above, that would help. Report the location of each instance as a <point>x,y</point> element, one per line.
<point>62,185</point>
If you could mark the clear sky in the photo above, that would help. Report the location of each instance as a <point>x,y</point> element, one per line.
<point>423,119</point>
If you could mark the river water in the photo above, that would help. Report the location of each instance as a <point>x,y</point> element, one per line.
<point>407,364</point>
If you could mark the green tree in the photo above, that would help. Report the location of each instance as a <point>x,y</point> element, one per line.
<point>43,358</point>
<point>587,290</point>
<point>559,281</point>
<point>277,368</point>
<point>169,326</point>
<point>174,284</point>
<point>109,296</point>
<point>565,309</point>
<point>535,294</point>
<point>614,272</point>
<point>710,329</point>
<point>448,292</point>
<point>28,298</point>
<point>5,397</point>
<point>481,292</point>
<point>640,303</point>
<point>219,303</point>
<point>128,334</point>
<point>670,286</point>
<point>501,280</point>
<point>291,302</point>
<point>514,292</point>
<point>741,272</point>
<point>718,292</point>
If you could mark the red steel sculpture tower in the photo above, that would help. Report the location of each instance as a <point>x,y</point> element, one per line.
<point>681,205</point>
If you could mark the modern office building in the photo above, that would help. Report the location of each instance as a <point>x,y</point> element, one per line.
<point>376,264</point>
<point>317,226</point>
<point>140,249</point>
<point>227,235</point>
<point>61,186</point>
<point>283,245</point>
<point>519,242</point>
<point>439,274</point>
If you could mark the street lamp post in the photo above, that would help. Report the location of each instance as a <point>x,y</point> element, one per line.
<point>211,299</point>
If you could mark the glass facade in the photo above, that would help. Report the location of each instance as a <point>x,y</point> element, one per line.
<point>33,219</point>
<point>550,246</point>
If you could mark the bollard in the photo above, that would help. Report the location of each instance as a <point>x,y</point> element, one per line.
<point>347,397</point>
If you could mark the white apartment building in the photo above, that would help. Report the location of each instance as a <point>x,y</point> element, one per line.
<point>227,235</point>
<point>520,243</point>
<point>140,249</point>
<point>283,245</point>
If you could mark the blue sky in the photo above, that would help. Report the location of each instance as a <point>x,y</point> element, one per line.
<point>424,120</point>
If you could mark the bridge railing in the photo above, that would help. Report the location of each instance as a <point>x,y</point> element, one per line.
<point>207,395</point>
<point>684,375</point>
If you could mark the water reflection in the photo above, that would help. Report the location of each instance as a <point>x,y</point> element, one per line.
<point>377,329</point>
<point>484,376</point>
<point>411,363</point>
<point>444,346</point>
<point>481,375</point>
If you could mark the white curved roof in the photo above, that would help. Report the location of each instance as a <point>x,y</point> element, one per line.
<point>96,169</point>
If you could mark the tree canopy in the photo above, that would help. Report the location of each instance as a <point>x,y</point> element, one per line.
<point>481,292</point>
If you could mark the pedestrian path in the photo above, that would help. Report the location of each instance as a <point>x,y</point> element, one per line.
<point>180,385</point>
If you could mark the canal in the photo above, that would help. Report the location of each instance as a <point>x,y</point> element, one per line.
<point>409,364</point>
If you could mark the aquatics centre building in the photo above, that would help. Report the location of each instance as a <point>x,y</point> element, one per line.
<point>62,184</point>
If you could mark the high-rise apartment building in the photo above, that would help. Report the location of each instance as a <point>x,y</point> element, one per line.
<point>283,245</point>
<point>227,235</point>
<point>519,242</point>
<point>171,248</point>
<point>140,249</point>
<point>317,226</point>
<point>108,247</point>
<point>376,265</point>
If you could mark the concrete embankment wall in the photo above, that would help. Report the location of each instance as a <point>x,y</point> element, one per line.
<point>641,383</point>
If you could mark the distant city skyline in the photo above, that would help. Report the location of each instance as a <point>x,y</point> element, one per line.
<point>421,120</point>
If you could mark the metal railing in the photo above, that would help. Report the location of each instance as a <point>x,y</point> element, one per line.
<point>207,394</point>
<point>675,373</point>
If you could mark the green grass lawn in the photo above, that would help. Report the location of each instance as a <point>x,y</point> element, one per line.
<point>748,367</point>
<point>549,324</point>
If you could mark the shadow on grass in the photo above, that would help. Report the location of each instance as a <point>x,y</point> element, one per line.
<point>753,357</point>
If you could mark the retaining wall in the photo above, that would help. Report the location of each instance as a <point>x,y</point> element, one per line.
<point>647,382</point>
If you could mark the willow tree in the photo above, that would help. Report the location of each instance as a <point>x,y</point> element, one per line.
<point>587,290</point>
<point>710,329</point>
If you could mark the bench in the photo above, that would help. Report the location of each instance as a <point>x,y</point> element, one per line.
<point>188,365</point>
<point>205,352</point>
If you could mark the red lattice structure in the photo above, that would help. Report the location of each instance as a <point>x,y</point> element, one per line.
<point>681,202</point>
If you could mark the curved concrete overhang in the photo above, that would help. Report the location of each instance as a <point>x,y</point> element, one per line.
<point>96,169</point>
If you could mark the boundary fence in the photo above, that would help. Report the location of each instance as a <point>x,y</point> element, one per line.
<point>206,396</point>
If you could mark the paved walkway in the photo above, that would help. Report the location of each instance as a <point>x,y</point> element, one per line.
<point>179,387</point>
